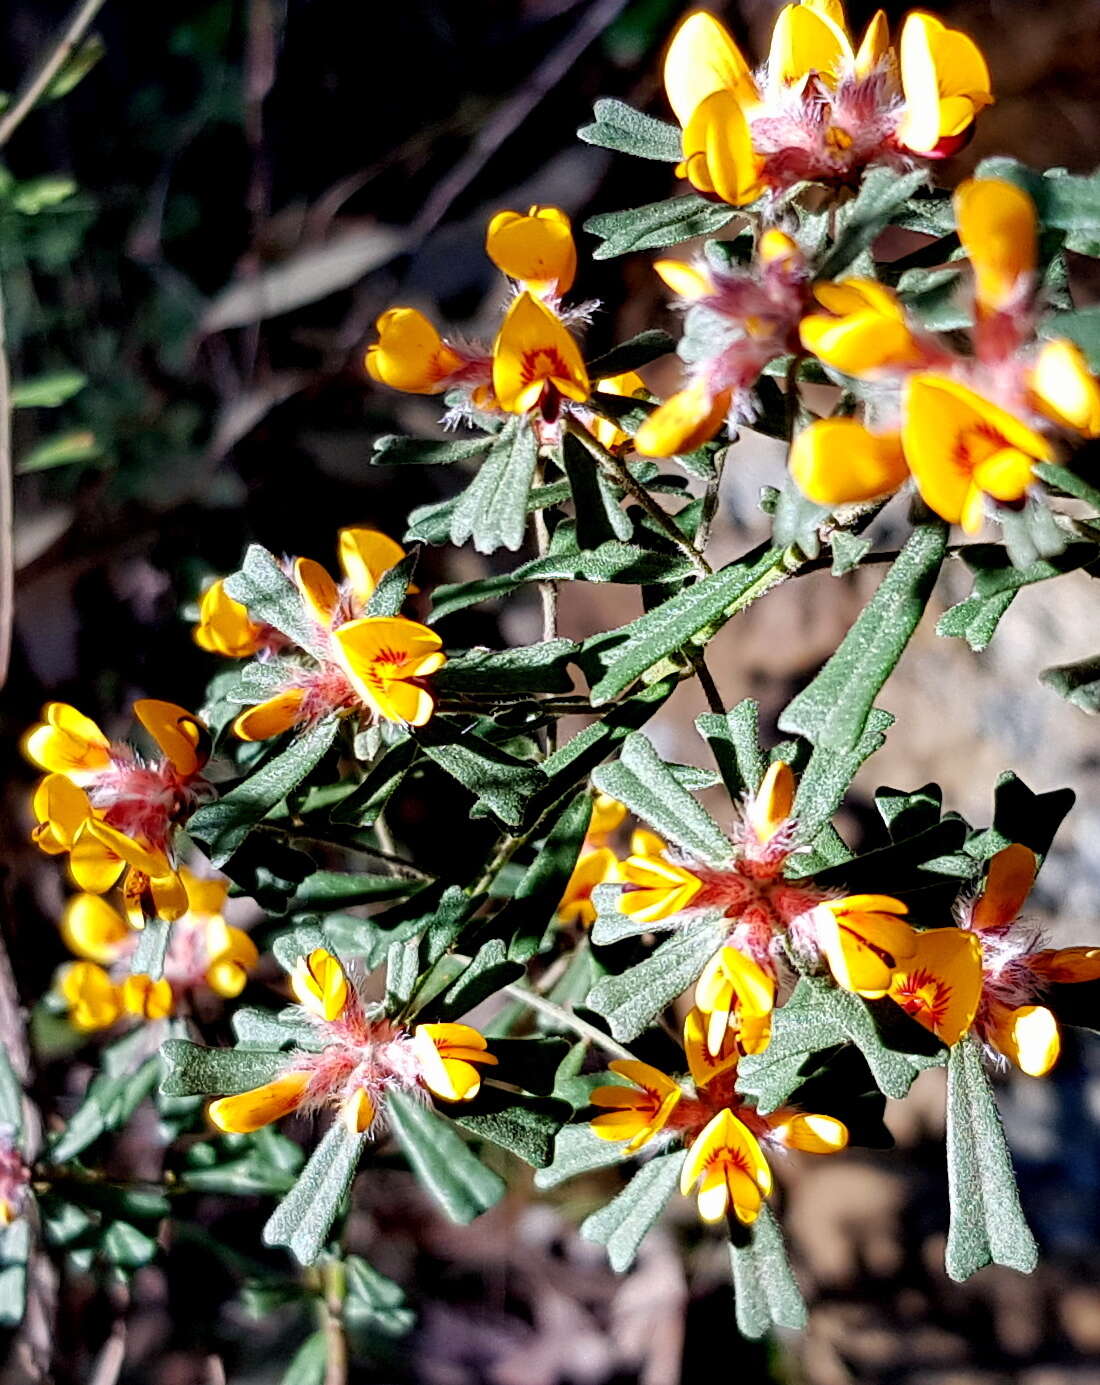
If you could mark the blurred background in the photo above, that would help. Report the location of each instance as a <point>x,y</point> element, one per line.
<point>218,213</point>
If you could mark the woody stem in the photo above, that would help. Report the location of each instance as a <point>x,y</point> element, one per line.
<point>567,1019</point>
<point>618,472</point>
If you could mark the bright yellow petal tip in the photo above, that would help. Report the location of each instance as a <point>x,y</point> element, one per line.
<point>319,984</point>
<point>536,250</point>
<point>837,461</point>
<point>409,354</point>
<point>534,354</point>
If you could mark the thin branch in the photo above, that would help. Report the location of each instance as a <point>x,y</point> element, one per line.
<point>7,510</point>
<point>548,594</point>
<point>568,1020</point>
<point>332,1323</point>
<point>76,26</point>
<point>618,472</point>
<point>399,863</point>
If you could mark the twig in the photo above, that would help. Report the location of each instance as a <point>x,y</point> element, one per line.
<point>548,594</point>
<point>618,472</point>
<point>568,1020</point>
<point>76,26</point>
<point>332,1322</point>
<point>709,686</point>
<point>399,863</point>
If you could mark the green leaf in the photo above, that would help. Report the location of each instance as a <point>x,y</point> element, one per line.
<point>222,826</point>
<point>987,1222</point>
<point>112,1096</point>
<point>649,788</point>
<point>191,1070</point>
<point>630,1001</point>
<point>126,1247</point>
<point>501,784</point>
<point>524,1126</point>
<point>396,451</point>
<point>375,1301</point>
<point>75,68</point>
<point>657,224</point>
<point>310,1362</point>
<point>432,523</point>
<point>47,391</point>
<point>826,777</point>
<point>11,1099</point>
<point>459,1182</point>
<point>272,598</point>
<point>640,350</point>
<point>834,709</point>
<point>848,551</point>
<point>36,195</point>
<point>620,127</point>
<point>818,1016</point>
<point>487,972</point>
<point>80,446</point>
<point>882,194</point>
<point>734,739</point>
<point>1019,815</point>
<point>1078,683</point>
<point>302,1221</point>
<point>336,889</point>
<point>766,1294</point>
<point>600,517</point>
<point>633,650</point>
<point>393,587</point>
<point>622,1225</point>
<point>578,1149</point>
<point>523,921</point>
<point>493,508</point>
<point>532,668</point>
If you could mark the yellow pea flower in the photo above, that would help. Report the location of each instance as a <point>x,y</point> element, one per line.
<point>272,717</point>
<point>703,59</point>
<point>182,738</point>
<point>597,867</point>
<point>997,228</point>
<point>864,330</point>
<point>1064,390</point>
<point>719,157</point>
<point>941,984</point>
<point>1067,965</point>
<point>67,742</point>
<point>727,1163</point>
<point>660,887</point>
<point>945,81</point>
<point>232,954</point>
<point>536,250</point>
<point>962,448</point>
<point>810,38</point>
<point>366,555</point>
<point>636,1113</point>
<point>812,1134</point>
<point>864,941</point>
<point>319,984</point>
<point>60,809</point>
<point>608,815</point>
<point>685,421</point>
<point>251,1110</point>
<point>1008,881</point>
<point>224,626</point>
<point>448,1055</point>
<point>734,992</point>
<point>384,658</point>
<point>837,461</point>
<point>92,929</point>
<point>410,355</point>
<point>535,359</point>
<point>688,281</point>
<point>90,994</point>
<point>771,804</point>
<point>703,1065</point>
<point>628,385</point>
<point>146,998</point>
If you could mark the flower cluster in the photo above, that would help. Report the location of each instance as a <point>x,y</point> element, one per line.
<point>111,809</point>
<point>359,1056</point>
<point>968,429</point>
<point>203,952</point>
<point>821,110</point>
<point>725,1136</point>
<point>370,666</point>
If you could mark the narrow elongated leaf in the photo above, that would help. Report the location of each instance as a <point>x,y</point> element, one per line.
<point>633,650</point>
<point>657,224</point>
<point>734,739</point>
<point>523,921</point>
<point>825,780</point>
<point>600,517</point>
<point>375,1301</point>
<point>578,1149</point>
<point>191,1070</point>
<point>47,391</point>
<point>647,346</point>
<point>11,1099</point>
<point>1078,683</point>
<point>882,194</point>
<point>834,709</point>
<point>272,598</point>
<point>501,783</point>
<point>459,1182</point>
<point>393,587</point>
<point>223,826</point>
<point>650,789</point>
<point>432,523</point>
<point>397,451</point>
<point>631,1001</point>
<point>488,971</point>
<point>766,1294</point>
<point>620,127</point>
<point>303,1219</point>
<point>987,1221</point>
<point>534,668</point>
<point>309,1362</point>
<point>622,1225</point>
<point>493,508</point>
<point>818,1016</point>
<point>524,1126</point>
